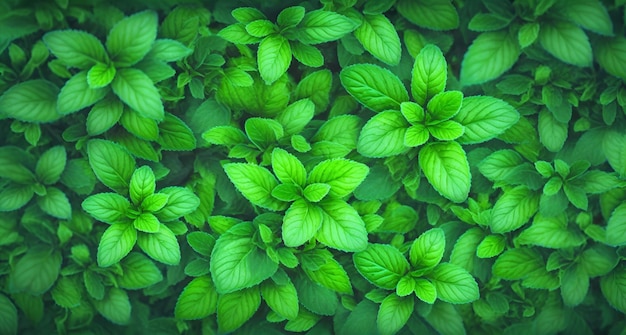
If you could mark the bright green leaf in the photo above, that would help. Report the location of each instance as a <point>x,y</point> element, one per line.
<point>382,265</point>
<point>375,87</point>
<point>447,169</point>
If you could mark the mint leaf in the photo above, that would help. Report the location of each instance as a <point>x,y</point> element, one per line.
<point>590,15</point>
<point>35,272</point>
<point>613,288</point>
<point>142,184</point>
<point>296,116</point>
<point>8,313</point>
<point>273,57</point>
<point>100,75</point>
<point>234,309</point>
<point>513,209</point>
<point>281,298</point>
<point>287,168</point>
<point>616,226</point>
<point>55,203</point>
<point>427,250</point>
<point>180,202</point>
<point>301,222</point>
<point>381,264</point>
<point>51,164</point>
<point>552,132</point>
<point>342,227</point>
<point>445,105</point>
<point>446,167</point>
<point>490,55</point>
<point>307,54</point>
<point>175,134</point>
<point>375,87</point>
<point>132,37</point>
<point>198,300</point>
<point>429,74</point>
<point>491,246</point>
<point>31,101</point>
<point>321,26</point>
<point>574,285</point>
<point>343,175</point>
<point>115,306</point>
<point>435,15</point>
<point>104,115</point>
<point>161,246</point>
<point>394,313</point>
<point>315,192</point>
<point>517,263</point>
<point>139,272</point>
<point>136,90</point>
<point>384,135</point>
<point>110,208</point>
<point>168,50</point>
<point>116,242</point>
<point>76,48</point>
<point>380,38</point>
<point>454,284</point>
<point>327,271</point>
<point>76,94</point>
<point>255,183</point>
<point>111,163</point>
<point>15,197</point>
<point>610,54</point>
<point>484,118</point>
<point>566,42</point>
<point>237,263</point>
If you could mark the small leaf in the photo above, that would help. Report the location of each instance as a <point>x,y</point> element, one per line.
<point>132,37</point>
<point>429,74</point>
<point>139,272</point>
<point>447,169</point>
<point>380,38</point>
<point>384,135</point>
<point>110,208</point>
<point>76,94</point>
<point>115,306</point>
<point>76,48</point>
<point>161,246</point>
<point>111,163</point>
<point>454,284</point>
<point>301,222</point>
<point>484,118</point>
<point>197,301</point>
<point>394,313</point>
<point>319,26</point>
<point>274,58</point>
<point>513,209</point>
<point>382,265</point>
<point>116,242</point>
<point>255,183</point>
<point>427,250</point>
<point>343,175</point>
<point>490,55</point>
<point>376,88</point>
<point>51,164</point>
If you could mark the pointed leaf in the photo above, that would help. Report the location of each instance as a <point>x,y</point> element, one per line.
<point>447,169</point>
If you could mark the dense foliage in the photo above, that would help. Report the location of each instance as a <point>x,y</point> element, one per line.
<point>322,167</point>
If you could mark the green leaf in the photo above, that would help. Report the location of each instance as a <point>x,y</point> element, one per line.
<point>301,222</point>
<point>115,306</point>
<point>342,227</point>
<point>15,197</point>
<point>315,192</point>
<point>100,75</point>
<point>382,265</point>
<point>590,15</point>
<point>104,115</point>
<point>383,135</point>
<point>237,263</point>
<point>614,145</point>
<point>484,118</point>
<point>168,50</point>
<point>315,298</point>
<point>307,54</point>
<point>445,105</point>
<point>513,209</point>
<point>490,55</point>
<point>161,246</point>
<point>76,94</point>
<point>224,135</point>
<point>574,285</point>
<point>146,222</point>
<point>394,313</point>
<point>262,132</point>
<point>427,250</point>
<point>35,272</point>
<point>142,184</point>
<point>566,42</point>
<point>425,290</point>
<point>616,226</point>
<point>405,286</point>
<point>445,166</point>
<point>343,175</point>
<point>296,116</point>
<point>373,86</point>
<point>111,163</point>
<point>234,309</point>
<point>429,74</point>
<point>31,101</point>
<point>491,246</point>
<point>290,16</point>
<point>288,168</point>
<point>8,313</point>
<point>613,288</point>
<point>261,28</point>
<point>116,242</point>
<point>598,260</point>
<point>281,298</point>
<point>51,164</point>
<point>552,132</point>
<point>431,14</point>
<point>76,48</point>
<point>175,134</point>
<point>611,55</point>
<point>132,37</point>
<point>273,57</point>
<point>237,34</point>
<point>329,273</point>
<point>136,90</point>
<point>197,301</point>
<point>55,203</point>
<point>482,22</point>
<point>321,26</point>
<point>139,272</point>
<point>93,284</point>
<point>454,284</point>
<point>110,208</point>
<point>517,263</point>
<point>255,183</point>
<point>380,38</point>
<point>180,202</point>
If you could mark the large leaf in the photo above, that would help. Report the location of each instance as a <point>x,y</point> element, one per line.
<point>484,118</point>
<point>429,74</point>
<point>111,163</point>
<point>175,134</point>
<point>378,36</point>
<point>375,87</point>
<point>613,288</point>
<point>116,242</point>
<point>115,306</point>
<point>446,167</point>
<point>517,263</point>
<point>281,298</point>
<point>288,168</point>
<point>382,265</point>
<point>237,263</point>
<point>31,101</point>
<point>162,245</point>
<point>136,90</point>
<point>301,222</point>
<point>342,226</point>
<point>394,313</point>
<point>8,313</point>
<point>234,309</point>
<point>454,284</point>
<point>427,250</point>
<point>513,209</point>
<point>139,272</point>
<point>76,94</point>
<point>198,300</point>
<point>383,135</point>
<point>590,15</point>
<point>51,164</point>
<point>611,55</point>
<point>107,207</point>
<point>343,175</point>
<point>431,14</point>
<point>273,57</point>
<point>36,271</point>
<point>490,55</point>
<point>76,48</point>
<point>132,37</point>
<point>321,26</point>
<point>567,42</point>
<point>255,183</point>
<point>616,227</point>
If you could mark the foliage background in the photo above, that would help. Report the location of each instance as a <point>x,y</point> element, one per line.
<point>341,166</point>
